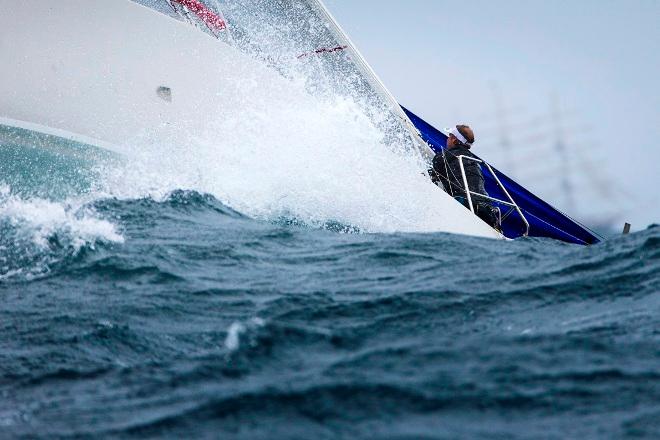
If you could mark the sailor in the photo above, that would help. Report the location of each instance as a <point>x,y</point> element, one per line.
<point>447,170</point>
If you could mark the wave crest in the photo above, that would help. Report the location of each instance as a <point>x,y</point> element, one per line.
<point>37,234</point>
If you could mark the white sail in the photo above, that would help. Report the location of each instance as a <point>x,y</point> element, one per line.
<point>368,72</point>
<point>301,38</point>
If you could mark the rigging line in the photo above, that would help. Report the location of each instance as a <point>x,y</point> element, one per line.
<point>589,230</point>
<point>598,236</point>
<point>444,158</point>
<point>456,179</point>
<point>586,228</point>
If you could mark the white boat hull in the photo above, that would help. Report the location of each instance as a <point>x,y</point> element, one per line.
<point>91,70</point>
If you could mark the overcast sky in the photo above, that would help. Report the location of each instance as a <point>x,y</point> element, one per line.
<point>517,70</point>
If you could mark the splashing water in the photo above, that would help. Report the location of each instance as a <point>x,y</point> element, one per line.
<point>133,309</point>
<point>36,234</point>
<point>277,144</point>
<point>309,159</point>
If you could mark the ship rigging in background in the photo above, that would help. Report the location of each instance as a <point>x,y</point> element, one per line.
<point>555,156</point>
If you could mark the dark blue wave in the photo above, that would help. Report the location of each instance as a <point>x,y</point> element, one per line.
<point>204,323</point>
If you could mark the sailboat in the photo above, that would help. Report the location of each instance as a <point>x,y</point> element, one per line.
<point>152,67</point>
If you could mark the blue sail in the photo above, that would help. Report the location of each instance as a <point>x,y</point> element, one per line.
<point>543,219</point>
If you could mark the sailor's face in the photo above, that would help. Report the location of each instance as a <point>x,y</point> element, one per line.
<point>451,141</point>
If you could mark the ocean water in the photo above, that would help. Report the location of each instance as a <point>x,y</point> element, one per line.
<point>284,275</point>
<point>177,316</point>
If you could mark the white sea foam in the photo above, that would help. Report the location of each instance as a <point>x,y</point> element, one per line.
<point>232,341</point>
<point>45,218</point>
<point>29,226</point>
<point>236,329</point>
<point>315,160</point>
